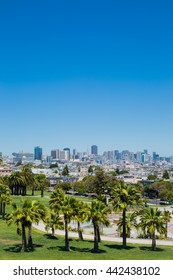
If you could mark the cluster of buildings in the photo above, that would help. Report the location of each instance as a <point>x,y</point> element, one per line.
<point>138,165</point>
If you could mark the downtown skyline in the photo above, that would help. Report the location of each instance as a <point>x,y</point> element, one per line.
<point>84,73</point>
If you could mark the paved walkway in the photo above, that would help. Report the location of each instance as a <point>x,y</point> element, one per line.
<point>41,227</point>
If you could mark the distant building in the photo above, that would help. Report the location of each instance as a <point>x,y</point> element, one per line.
<point>155,156</point>
<point>94,150</point>
<point>55,154</point>
<point>67,153</point>
<point>38,153</point>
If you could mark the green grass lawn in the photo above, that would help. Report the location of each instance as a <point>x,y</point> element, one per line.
<point>47,248</point>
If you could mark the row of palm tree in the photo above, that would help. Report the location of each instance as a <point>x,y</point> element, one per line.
<point>64,209</point>
<point>24,215</point>
<point>72,209</point>
<point>20,181</point>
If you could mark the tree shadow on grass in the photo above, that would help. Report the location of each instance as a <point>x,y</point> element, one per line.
<point>119,247</point>
<point>75,249</point>
<point>49,236</point>
<point>17,248</point>
<point>149,249</point>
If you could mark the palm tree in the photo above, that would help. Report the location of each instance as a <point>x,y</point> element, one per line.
<point>36,212</point>
<point>65,204</point>
<point>20,218</point>
<point>166,216</point>
<point>125,196</point>
<point>153,221</point>
<point>28,178</point>
<point>23,216</point>
<point>16,182</point>
<point>53,221</point>
<point>4,198</point>
<point>67,209</point>
<point>130,223</point>
<point>81,213</point>
<point>42,183</point>
<point>98,215</point>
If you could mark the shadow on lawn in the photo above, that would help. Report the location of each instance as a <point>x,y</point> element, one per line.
<point>17,248</point>
<point>75,249</point>
<point>145,248</point>
<point>119,247</point>
<point>49,236</point>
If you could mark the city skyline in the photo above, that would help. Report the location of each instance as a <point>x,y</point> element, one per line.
<point>84,73</point>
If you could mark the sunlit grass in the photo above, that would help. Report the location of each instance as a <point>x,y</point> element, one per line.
<point>48,248</point>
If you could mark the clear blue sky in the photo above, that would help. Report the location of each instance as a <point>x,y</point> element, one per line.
<point>77,73</point>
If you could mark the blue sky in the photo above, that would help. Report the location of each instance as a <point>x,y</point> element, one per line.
<point>77,73</point>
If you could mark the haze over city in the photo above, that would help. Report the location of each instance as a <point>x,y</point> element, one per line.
<point>78,73</point>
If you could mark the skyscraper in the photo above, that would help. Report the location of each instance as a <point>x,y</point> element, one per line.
<point>38,153</point>
<point>67,153</point>
<point>94,150</point>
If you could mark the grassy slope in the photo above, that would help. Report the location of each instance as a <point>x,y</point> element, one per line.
<point>47,248</point>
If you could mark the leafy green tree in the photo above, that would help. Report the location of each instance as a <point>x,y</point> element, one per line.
<point>162,189</point>
<point>90,169</point>
<point>65,171</point>
<point>166,175</point>
<point>100,183</point>
<point>65,186</point>
<point>151,177</point>
<point>53,165</point>
<point>152,221</point>
<point>98,215</point>
<point>125,196</point>
<point>42,183</point>
<point>88,183</point>
<point>79,187</point>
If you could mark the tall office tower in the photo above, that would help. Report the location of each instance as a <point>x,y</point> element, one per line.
<point>155,156</point>
<point>55,154</point>
<point>139,157</point>
<point>94,150</point>
<point>74,153</point>
<point>62,155</point>
<point>38,153</point>
<point>67,153</point>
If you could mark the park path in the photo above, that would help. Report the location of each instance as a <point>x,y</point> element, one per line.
<point>41,227</point>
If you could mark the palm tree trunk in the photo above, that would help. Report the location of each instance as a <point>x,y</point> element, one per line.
<point>24,243</point>
<point>124,229</point>
<point>96,242</point>
<point>42,193</point>
<point>30,243</point>
<point>79,231</point>
<point>67,246</point>
<point>98,232</point>
<point>153,242</point>
<point>166,229</point>
<point>53,231</point>
<point>32,191</point>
